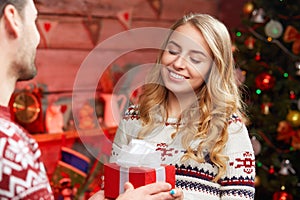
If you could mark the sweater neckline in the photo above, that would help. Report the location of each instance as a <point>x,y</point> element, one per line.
<point>4,112</point>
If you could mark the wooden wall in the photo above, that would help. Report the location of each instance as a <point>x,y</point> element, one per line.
<point>70,29</point>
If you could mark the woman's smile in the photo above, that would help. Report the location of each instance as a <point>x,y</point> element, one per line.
<point>175,76</point>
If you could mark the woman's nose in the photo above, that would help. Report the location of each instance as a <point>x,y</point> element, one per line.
<point>180,62</point>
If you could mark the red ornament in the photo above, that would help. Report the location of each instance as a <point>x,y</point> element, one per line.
<point>249,42</point>
<point>257,56</point>
<point>271,170</point>
<point>282,195</point>
<point>292,95</point>
<point>285,132</point>
<point>265,81</point>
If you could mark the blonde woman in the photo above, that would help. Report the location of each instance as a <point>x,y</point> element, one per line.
<point>192,112</point>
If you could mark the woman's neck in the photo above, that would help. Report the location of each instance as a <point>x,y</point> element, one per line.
<point>179,102</point>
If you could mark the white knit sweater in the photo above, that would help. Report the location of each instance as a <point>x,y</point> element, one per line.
<point>192,177</point>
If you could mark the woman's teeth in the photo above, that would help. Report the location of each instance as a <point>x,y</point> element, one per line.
<point>177,76</point>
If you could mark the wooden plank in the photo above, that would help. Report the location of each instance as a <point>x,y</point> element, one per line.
<point>52,137</point>
<point>171,9</point>
<point>57,69</point>
<point>99,8</point>
<point>72,33</point>
<point>65,32</point>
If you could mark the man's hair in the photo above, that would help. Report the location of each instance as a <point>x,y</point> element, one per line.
<point>18,4</point>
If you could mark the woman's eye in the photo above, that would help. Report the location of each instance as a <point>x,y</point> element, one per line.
<point>195,60</point>
<point>173,52</point>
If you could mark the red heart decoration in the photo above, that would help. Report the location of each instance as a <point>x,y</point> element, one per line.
<point>47,26</point>
<point>126,16</point>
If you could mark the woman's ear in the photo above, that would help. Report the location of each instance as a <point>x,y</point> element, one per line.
<point>12,21</point>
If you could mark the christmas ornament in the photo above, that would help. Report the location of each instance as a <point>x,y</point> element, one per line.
<point>286,168</point>
<point>271,170</point>
<point>257,56</point>
<point>258,16</point>
<point>273,29</point>
<point>265,108</point>
<point>249,42</point>
<point>296,140</point>
<point>292,95</point>
<point>257,181</point>
<point>282,195</point>
<point>293,117</point>
<point>264,81</point>
<point>292,35</point>
<point>248,8</point>
<point>256,145</point>
<point>297,65</point>
<point>285,132</point>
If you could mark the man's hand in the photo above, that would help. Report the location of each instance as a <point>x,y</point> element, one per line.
<point>153,191</point>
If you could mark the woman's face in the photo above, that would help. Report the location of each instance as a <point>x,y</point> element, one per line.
<point>186,60</point>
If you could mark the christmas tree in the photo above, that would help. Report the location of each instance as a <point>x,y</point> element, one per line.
<point>267,54</point>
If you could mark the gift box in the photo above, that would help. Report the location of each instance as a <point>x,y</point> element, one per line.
<point>115,177</point>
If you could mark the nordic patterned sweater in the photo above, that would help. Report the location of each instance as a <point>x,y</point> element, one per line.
<point>192,177</point>
<point>22,173</point>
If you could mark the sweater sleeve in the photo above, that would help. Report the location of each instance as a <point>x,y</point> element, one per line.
<point>238,182</point>
<point>128,128</point>
<point>119,140</point>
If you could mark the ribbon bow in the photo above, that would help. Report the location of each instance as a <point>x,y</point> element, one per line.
<point>292,35</point>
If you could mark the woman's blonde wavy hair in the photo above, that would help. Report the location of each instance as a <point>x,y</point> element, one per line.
<point>218,98</point>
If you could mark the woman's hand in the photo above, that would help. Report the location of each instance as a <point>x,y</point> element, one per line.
<point>177,194</point>
<point>153,191</point>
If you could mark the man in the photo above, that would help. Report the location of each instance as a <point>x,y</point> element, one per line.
<point>22,174</point>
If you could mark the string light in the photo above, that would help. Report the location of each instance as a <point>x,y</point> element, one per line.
<point>259,164</point>
<point>269,39</point>
<point>258,91</point>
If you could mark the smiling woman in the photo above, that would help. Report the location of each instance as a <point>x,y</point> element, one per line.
<point>191,110</point>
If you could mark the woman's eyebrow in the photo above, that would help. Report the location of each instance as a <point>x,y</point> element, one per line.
<point>193,51</point>
<point>199,52</point>
<point>174,43</point>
